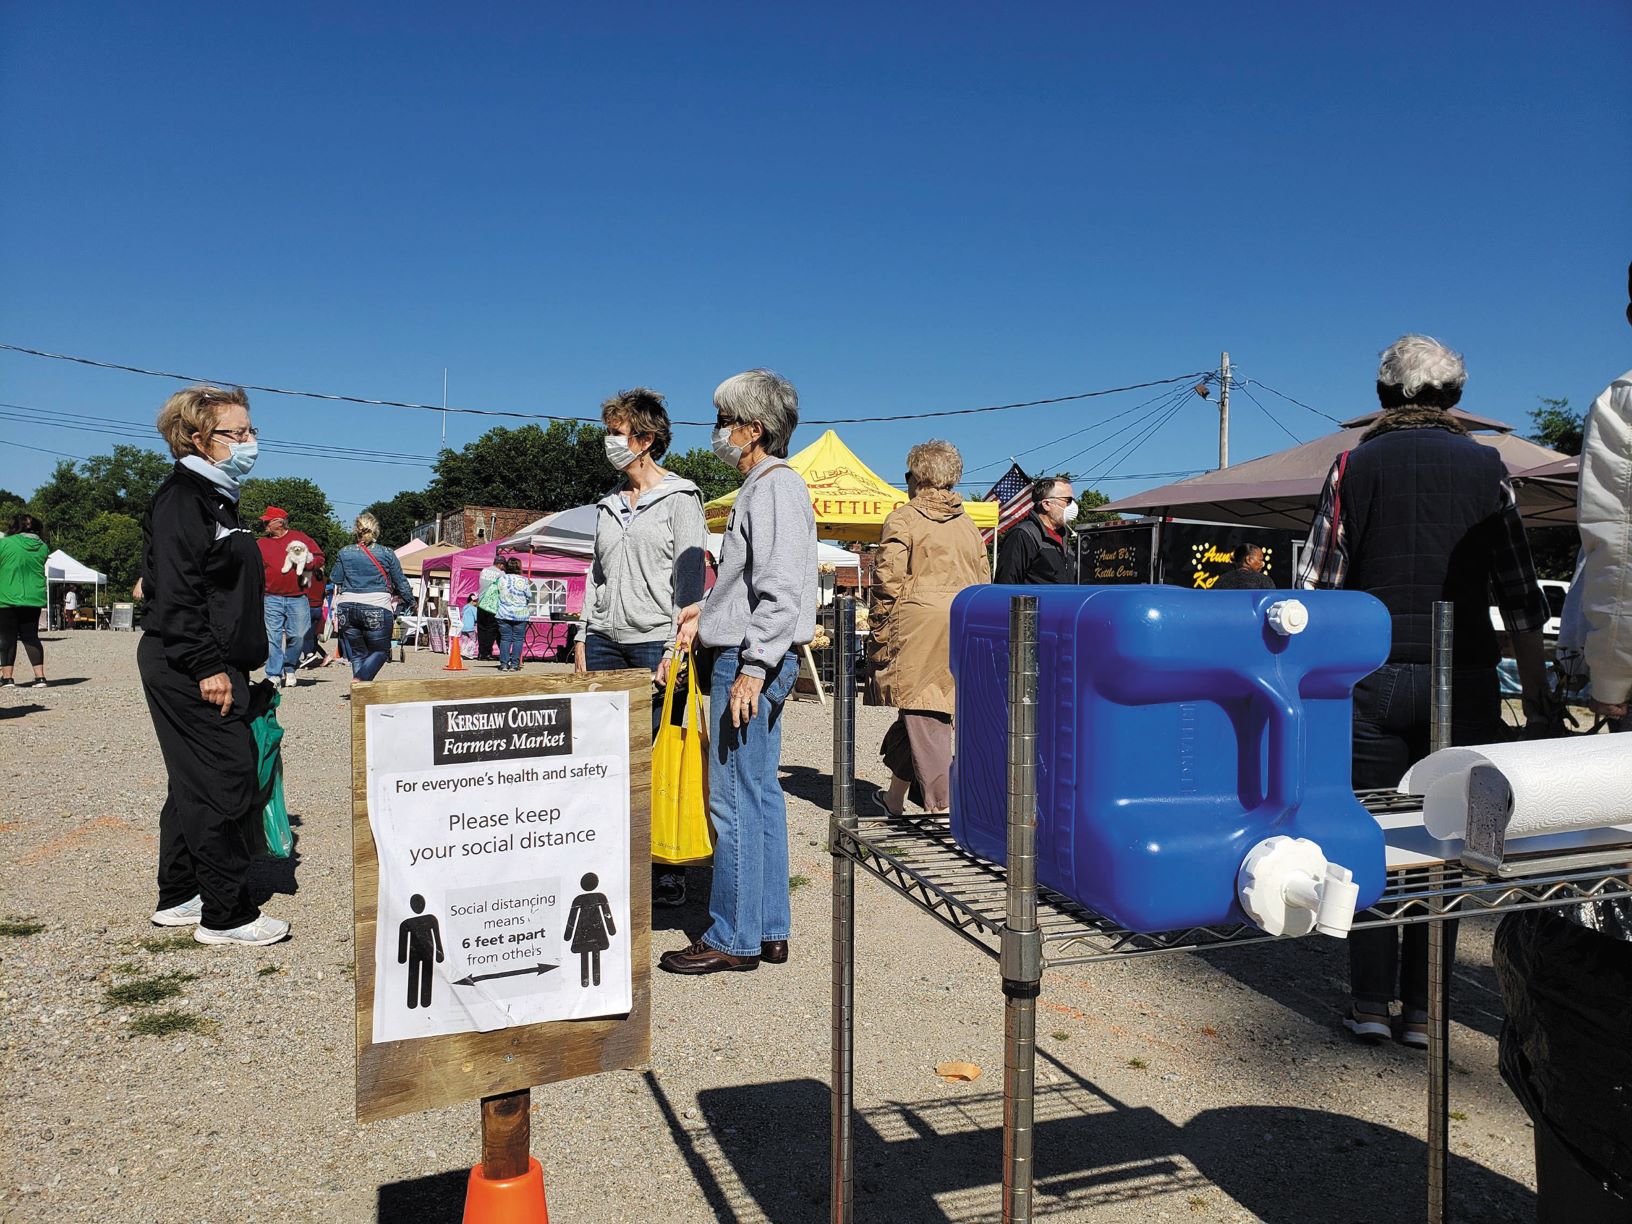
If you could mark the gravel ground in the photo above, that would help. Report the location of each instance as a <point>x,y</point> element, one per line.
<point>1205,1088</point>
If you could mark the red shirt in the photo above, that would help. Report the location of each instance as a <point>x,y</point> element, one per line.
<point>273,555</point>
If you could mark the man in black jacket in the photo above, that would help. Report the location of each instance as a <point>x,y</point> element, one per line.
<point>1034,552</point>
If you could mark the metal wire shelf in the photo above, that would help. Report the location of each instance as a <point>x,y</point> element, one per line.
<point>917,858</point>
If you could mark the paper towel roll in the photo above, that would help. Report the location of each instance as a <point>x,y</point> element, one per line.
<point>1559,785</point>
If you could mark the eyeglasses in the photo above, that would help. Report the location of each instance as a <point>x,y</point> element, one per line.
<point>723,422</point>
<point>237,435</point>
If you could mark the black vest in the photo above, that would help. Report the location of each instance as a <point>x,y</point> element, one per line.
<point>1421,516</point>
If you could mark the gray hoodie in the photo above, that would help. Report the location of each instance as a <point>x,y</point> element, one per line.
<point>648,567</point>
<point>764,597</point>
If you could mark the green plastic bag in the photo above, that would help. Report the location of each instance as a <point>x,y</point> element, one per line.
<point>279,841</point>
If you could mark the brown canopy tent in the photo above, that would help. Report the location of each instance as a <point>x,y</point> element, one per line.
<point>1283,490</point>
<point>1547,493</point>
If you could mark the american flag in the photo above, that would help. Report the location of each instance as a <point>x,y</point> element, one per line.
<point>1013,492</point>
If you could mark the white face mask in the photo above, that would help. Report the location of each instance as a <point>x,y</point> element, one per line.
<point>618,453</point>
<point>1069,514</point>
<point>727,451</point>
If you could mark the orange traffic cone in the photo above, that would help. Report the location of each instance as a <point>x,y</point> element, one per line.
<point>455,661</point>
<point>508,1200</point>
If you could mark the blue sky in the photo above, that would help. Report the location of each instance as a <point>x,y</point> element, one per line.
<point>901,207</point>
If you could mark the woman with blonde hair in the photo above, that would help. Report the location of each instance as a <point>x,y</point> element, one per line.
<point>369,586</point>
<point>930,550</point>
<point>203,634</point>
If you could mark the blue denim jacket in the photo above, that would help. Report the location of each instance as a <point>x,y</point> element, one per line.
<point>355,574</point>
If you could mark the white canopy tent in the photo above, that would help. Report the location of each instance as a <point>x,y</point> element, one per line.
<point>62,569</point>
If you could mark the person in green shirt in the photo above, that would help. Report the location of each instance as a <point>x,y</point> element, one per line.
<point>22,596</point>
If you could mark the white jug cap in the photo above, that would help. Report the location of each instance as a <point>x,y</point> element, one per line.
<point>1288,616</point>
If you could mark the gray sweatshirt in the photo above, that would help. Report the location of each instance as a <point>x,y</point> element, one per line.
<point>648,565</point>
<point>764,597</point>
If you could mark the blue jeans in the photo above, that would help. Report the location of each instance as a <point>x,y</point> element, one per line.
<point>601,653</point>
<point>1391,724</point>
<point>287,619</point>
<point>749,900</point>
<point>366,632</point>
<point>512,637</point>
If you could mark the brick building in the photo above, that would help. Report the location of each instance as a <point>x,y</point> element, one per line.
<point>475,525</point>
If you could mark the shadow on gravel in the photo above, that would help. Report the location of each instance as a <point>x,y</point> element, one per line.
<point>756,1151</point>
<point>1311,977</point>
<point>432,1199</point>
<point>18,711</point>
<point>812,785</point>
<point>68,682</point>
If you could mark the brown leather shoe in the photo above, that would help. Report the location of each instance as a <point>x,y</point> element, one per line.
<point>774,951</point>
<point>700,958</point>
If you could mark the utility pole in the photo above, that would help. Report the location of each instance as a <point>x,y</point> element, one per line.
<point>444,407</point>
<point>1223,411</point>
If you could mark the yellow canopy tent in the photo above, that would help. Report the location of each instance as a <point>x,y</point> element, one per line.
<point>851,500</point>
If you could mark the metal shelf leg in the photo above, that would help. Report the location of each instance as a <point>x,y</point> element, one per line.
<point>1022,945</point>
<point>1439,972</point>
<point>843,1177</point>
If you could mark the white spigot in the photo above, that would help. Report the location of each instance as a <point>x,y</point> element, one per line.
<point>1288,616</point>
<point>1287,887</point>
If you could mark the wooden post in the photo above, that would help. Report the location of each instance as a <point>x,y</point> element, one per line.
<point>506,1134</point>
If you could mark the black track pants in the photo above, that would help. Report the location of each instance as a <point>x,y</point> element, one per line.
<point>211,763</point>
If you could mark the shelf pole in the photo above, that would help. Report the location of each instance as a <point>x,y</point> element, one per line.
<point>1022,944</point>
<point>1439,971</point>
<point>843,821</point>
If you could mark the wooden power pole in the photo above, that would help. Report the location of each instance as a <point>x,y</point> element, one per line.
<point>1223,411</point>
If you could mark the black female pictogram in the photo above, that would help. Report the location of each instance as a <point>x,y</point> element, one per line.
<point>418,940</point>
<point>590,927</point>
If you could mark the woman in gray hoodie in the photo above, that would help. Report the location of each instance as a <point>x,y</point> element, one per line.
<point>648,564</point>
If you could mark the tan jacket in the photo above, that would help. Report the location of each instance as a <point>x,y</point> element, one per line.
<point>930,551</point>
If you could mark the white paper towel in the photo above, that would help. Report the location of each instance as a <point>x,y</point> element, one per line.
<point>1559,785</point>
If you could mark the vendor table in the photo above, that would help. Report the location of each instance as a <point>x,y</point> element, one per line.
<point>1028,929</point>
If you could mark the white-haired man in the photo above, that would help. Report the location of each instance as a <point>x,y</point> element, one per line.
<point>1417,513</point>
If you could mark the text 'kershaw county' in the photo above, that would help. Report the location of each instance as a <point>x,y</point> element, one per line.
<point>490,731</point>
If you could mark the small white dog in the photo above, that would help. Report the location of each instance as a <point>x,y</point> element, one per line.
<point>297,557</point>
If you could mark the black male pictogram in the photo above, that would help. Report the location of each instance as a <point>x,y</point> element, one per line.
<point>419,941</point>
<point>590,928</point>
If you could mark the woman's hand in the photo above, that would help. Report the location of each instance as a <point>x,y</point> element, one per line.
<point>1608,709</point>
<point>578,667</point>
<point>745,692</point>
<point>216,690</point>
<point>685,626</point>
<point>661,676</point>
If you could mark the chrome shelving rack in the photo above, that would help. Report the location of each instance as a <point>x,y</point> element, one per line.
<point>1028,929</point>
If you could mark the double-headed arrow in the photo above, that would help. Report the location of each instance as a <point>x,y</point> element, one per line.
<point>473,978</point>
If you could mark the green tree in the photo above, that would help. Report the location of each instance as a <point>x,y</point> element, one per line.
<point>110,542</point>
<point>706,470</point>
<point>1556,426</point>
<point>308,508</point>
<point>1087,501</point>
<point>125,481</point>
<point>11,505</point>
<point>399,516</point>
<point>531,468</point>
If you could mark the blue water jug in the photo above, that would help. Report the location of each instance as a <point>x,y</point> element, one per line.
<point>1177,731</point>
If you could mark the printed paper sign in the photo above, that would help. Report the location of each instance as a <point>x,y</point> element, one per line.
<point>502,831</point>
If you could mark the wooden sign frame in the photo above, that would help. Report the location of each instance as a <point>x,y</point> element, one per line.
<point>400,1077</point>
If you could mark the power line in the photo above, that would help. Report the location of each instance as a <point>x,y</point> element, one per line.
<point>1255,382</point>
<point>1247,391</point>
<point>545,416</point>
<point>1136,443</point>
<point>43,450</point>
<point>1172,401</point>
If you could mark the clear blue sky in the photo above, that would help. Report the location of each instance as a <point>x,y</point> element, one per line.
<point>902,207</point>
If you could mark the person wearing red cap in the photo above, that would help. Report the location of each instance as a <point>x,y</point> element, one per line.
<point>291,559</point>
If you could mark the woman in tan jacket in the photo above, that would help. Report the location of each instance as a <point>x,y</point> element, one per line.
<point>930,551</point>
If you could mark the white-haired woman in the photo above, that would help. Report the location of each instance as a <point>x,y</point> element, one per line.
<point>369,587</point>
<point>1417,513</point>
<point>762,608</point>
<point>203,634</point>
<point>929,551</point>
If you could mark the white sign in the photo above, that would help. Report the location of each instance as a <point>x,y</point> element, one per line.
<point>502,831</point>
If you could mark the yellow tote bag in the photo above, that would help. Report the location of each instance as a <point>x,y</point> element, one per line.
<point>681,832</point>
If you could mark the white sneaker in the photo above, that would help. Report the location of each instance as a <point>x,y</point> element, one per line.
<point>1368,1025</point>
<point>288,679</point>
<point>264,930</point>
<point>186,914</point>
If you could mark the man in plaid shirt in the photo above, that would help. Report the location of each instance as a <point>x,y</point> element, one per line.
<point>1418,513</point>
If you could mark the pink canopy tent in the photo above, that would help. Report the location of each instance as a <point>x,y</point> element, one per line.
<point>561,581</point>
